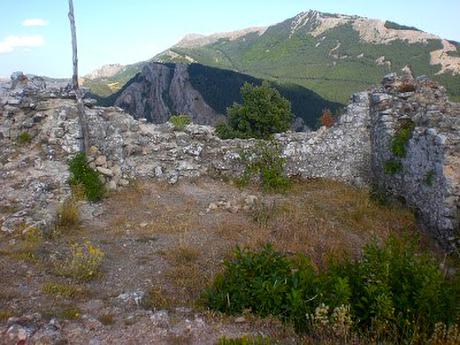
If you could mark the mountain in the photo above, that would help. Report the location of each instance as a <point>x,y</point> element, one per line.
<point>204,93</point>
<point>108,79</point>
<point>331,54</point>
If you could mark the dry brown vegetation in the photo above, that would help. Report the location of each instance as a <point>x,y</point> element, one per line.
<point>67,215</point>
<point>163,240</point>
<point>319,218</point>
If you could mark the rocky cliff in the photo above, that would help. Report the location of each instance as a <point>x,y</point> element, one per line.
<point>204,93</point>
<point>358,150</point>
<point>162,90</point>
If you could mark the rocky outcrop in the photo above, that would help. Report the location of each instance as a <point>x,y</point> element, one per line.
<point>204,93</point>
<point>105,71</point>
<point>355,150</point>
<point>197,40</point>
<point>162,90</point>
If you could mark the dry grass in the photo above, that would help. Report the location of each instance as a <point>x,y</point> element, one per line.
<point>322,218</point>
<point>78,191</point>
<point>319,218</point>
<point>157,298</point>
<point>25,247</point>
<point>64,290</point>
<point>183,254</point>
<point>5,315</point>
<point>70,313</point>
<point>82,263</point>
<point>175,339</point>
<point>169,226</point>
<point>68,215</point>
<point>187,282</point>
<point>106,319</point>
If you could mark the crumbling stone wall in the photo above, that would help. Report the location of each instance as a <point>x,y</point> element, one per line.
<point>354,150</point>
<point>429,178</point>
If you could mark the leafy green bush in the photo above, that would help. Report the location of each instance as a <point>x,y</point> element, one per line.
<point>264,162</point>
<point>401,138</point>
<point>180,121</point>
<point>399,147</point>
<point>82,174</point>
<point>24,138</point>
<point>263,112</point>
<point>224,131</point>
<point>392,292</point>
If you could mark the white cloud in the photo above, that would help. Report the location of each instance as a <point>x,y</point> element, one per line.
<point>35,22</point>
<point>12,42</point>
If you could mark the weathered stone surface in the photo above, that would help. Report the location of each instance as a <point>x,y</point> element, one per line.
<point>354,150</point>
<point>162,90</point>
<point>430,177</point>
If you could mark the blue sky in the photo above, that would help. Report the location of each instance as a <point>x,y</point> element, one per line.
<point>35,35</point>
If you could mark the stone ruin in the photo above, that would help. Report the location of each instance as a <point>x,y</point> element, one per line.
<point>355,150</point>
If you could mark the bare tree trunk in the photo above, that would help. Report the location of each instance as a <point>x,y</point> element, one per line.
<point>81,107</point>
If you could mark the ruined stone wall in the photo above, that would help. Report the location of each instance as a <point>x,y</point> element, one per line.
<point>429,176</point>
<point>354,150</point>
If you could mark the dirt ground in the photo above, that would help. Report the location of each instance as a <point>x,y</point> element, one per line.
<point>162,245</point>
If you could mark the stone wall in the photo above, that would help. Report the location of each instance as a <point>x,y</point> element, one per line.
<point>429,180</point>
<point>354,150</point>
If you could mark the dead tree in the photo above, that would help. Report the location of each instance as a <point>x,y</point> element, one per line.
<point>81,107</point>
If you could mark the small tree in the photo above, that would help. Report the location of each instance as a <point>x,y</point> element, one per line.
<point>263,112</point>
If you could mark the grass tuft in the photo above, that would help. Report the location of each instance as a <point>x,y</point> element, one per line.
<point>67,214</point>
<point>82,264</point>
<point>180,121</point>
<point>24,138</point>
<point>63,290</point>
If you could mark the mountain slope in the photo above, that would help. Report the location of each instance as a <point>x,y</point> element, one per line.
<point>108,79</point>
<point>331,54</point>
<point>202,92</point>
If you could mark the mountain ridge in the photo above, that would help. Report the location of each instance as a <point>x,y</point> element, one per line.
<point>331,54</point>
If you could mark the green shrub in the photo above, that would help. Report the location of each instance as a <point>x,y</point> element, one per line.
<point>180,121</point>
<point>393,292</point>
<point>224,131</point>
<point>253,280</point>
<point>24,138</point>
<point>264,162</point>
<point>82,174</point>
<point>263,112</point>
<point>401,138</point>
<point>392,167</point>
